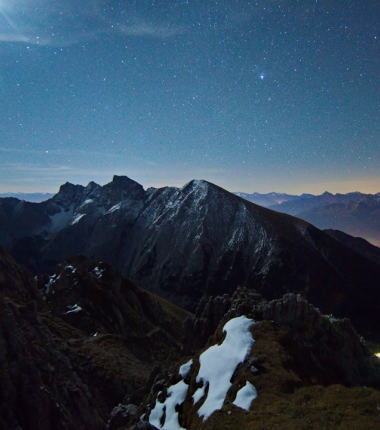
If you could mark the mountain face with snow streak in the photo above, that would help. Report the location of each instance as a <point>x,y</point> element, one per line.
<point>198,240</point>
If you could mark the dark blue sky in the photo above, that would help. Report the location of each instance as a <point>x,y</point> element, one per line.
<point>251,95</point>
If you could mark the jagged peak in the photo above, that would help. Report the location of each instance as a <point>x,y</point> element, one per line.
<point>126,187</point>
<point>123,180</point>
<point>68,187</point>
<point>92,185</point>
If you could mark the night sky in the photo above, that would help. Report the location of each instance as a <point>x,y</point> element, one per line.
<point>251,95</point>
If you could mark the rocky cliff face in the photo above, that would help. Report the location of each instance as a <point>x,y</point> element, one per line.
<point>72,346</point>
<point>200,240</point>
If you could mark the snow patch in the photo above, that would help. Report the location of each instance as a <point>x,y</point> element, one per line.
<point>73,309</point>
<point>98,272</point>
<point>87,202</point>
<point>245,396</point>
<point>185,369</point>
<point>61,219</point>
<point>219,362</point>
<point>176,396</point>
<point>114,208</point>
<point>77,218</point>
<point>199,394</point>
<point>52,279</point>
<point>217,366</point>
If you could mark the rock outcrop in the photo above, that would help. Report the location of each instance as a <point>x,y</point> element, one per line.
<point>73,346</point>
<point>323,348</point>
<point>298,356</point>
<point>40,389</point>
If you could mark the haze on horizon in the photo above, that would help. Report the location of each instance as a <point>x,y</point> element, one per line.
<point>252,96</point>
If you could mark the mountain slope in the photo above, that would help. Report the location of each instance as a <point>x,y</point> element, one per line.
<point>360,218</point>
<point>357,244</point>
<point>73,346</point>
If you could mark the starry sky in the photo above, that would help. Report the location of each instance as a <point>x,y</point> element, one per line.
<point>251,95</point>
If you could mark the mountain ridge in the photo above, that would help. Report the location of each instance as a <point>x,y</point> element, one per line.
<point>354,213</point>
<point>184,243</point>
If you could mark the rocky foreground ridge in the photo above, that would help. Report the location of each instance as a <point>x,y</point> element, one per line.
<point>198,240</point>
<point>300,360</point>
<point>74,345</point>
<point>85,348</point>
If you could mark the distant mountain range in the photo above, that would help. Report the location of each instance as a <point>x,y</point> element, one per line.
<point>270,199</point>
<point>186,243</point>
<point>354,213</point>
<point>29,197</point>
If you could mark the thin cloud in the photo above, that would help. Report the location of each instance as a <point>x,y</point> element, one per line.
<point>68,26</point>
<point>151,30</point>
<point>14,38</point>
<point>23,167</point>
<point>73,153</point>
